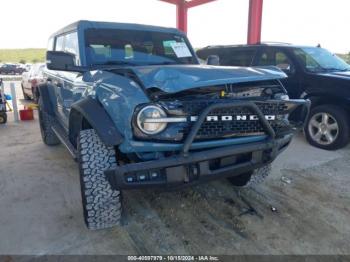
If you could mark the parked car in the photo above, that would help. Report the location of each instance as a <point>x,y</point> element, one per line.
<point>11,69</point>
<point>313,73</point>
<point>31,80</point>
<point>27,67</point>
<point>3,109</point>
<point>132,104</point>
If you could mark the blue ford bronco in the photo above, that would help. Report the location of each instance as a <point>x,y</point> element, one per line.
<point>136,110</point>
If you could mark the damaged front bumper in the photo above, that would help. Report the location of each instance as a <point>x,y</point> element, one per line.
<point>191,167</point>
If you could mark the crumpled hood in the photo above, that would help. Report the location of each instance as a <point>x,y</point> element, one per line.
<point>176,78</point>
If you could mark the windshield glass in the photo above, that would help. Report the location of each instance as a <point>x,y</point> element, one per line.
<point>132,47</point>
<point>315,59</point>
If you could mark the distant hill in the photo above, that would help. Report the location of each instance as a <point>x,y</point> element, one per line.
<point>346,58</point>
<point>28,55</point>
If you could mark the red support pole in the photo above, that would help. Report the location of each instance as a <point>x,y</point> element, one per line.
<point>194,3</point>
<point>181,10</point>
<point>181,16</point>
<point>254,21</point>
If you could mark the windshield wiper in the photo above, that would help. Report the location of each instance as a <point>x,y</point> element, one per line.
<point>118,63</point>
<point>111,64</point>
<point>165,63</point>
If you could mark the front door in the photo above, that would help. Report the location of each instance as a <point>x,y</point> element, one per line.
<point>63,81</point>
<point>272,56</point>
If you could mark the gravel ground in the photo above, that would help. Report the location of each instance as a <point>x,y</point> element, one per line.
<point>41,213</point>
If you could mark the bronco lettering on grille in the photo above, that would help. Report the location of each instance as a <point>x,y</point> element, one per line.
<point>234,118</point>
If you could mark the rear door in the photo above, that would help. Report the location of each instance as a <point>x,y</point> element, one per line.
<point>280,57</point>
<point>237,56</point>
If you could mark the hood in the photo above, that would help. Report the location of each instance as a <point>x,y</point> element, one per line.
<point>176,78</point>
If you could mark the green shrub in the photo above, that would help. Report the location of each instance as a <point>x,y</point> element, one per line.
<point>22,55</point>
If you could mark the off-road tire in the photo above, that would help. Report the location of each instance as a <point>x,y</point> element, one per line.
<point>46,121</point>
<point>101,204</point>
<point>342,119</point>
<point>251,178</point>
<point>25,96</point>
<point>3,118</point>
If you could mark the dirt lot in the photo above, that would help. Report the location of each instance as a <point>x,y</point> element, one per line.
<point>41,213</point>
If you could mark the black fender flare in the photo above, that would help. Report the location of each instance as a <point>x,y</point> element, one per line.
<point>97,117</point>
<point>44,92</point>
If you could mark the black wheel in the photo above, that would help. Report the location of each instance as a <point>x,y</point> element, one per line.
<point>101,204</point>
<point>251,178</point>
<point>26,97</point>
<point>327,127</point>
<point>46,121</point>
<point>3,118</point>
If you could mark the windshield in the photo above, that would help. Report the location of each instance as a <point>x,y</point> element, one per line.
<point>132,47</point>
<point>316,59</point>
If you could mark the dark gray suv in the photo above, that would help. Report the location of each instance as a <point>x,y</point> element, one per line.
<point>313,73</point>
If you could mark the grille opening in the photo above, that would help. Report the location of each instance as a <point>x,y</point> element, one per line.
<point>228,161</point>
<point>235,128</point>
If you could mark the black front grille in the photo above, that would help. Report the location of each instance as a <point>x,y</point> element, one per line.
<point>232,128</point>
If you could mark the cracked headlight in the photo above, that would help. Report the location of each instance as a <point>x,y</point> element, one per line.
<point>149,120</point>
<point>281,96</point>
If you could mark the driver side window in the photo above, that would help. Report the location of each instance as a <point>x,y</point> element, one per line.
<point>276,58</point>
<point>283,62</point>
<point>68,43</point>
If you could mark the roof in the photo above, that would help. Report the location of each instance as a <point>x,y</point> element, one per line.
<point>85,24</point>
<point>275,44</point>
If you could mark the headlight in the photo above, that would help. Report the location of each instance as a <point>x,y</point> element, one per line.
<point>280,96</point>
<point>147,120</point>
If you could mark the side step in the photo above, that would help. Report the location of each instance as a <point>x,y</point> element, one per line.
<point>62,136</point>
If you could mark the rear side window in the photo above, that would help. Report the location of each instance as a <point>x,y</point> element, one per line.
<point>243,57</point>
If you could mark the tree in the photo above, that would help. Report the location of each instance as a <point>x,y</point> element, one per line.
<point>22,61</point>
<point>35,60</point>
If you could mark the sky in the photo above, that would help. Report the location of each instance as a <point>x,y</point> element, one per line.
<point>28,24</point>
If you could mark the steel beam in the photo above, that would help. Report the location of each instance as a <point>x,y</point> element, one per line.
<point>254,21</point>
<point>182,7</point>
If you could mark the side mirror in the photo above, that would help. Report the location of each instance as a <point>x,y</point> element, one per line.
<point>61,61</point>
<point>213,60</point>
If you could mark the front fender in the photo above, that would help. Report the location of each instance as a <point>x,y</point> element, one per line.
<point>94,113</point>
<point>119,96</point>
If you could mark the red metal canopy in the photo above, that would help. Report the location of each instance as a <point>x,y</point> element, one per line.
<point>181,10</point>
<point>254,21</point>
<point>254,16</point>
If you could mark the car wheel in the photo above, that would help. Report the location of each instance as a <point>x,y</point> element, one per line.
<point>251,178</point>
<point>327,127</point>
<point>46,121</point>
<point>25,96</point>
<point>101,204</point>
<point>3,118</point>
